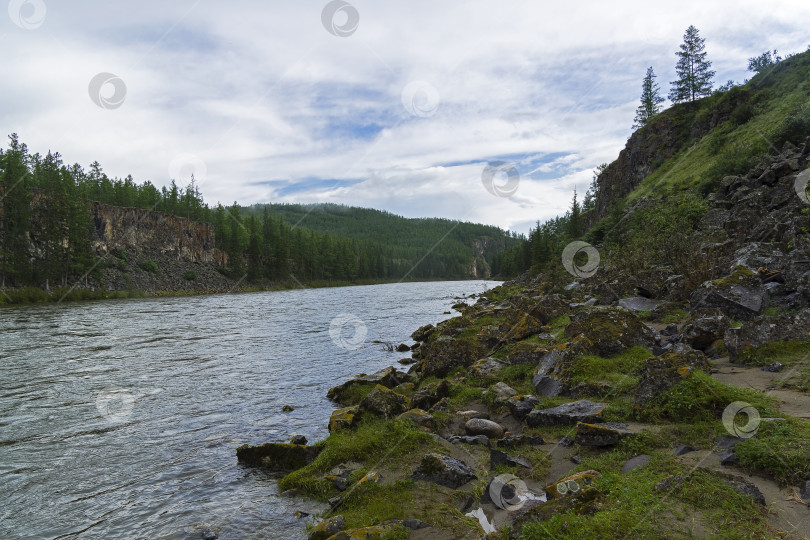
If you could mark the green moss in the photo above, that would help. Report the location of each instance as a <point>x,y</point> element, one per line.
<point>560,322</point>
<point>699,397</point>
<point>502,292</point>
<point>617,371</point>
<point>740,275</point>
<point>674,315</point>
<point>786,352</point>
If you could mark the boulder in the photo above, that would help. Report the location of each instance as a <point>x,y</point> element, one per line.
<point>702,332</point>
<point>486,367</point>
<point>610,330</point>
<point>605,434</point>
<point>660,373</point>
<point>277,456</point>
<point>428,395</point>
<point>521,405</point>
<point>526,353</point>
<point>345,418</point>
<point>442,356</point>
<point>423,332</point>
<point>502,391</point>
<point>568,413</point>
<point>546,385</point>
<point>467,415</point>
<point>339,475</point>
<point>443,470</point>
<point>740,296</point>
<point>753,334</point>
<point>513,441</point>
<point>403,348</point>
<point>298,439</point>
<point>385,403</point>
<point>487,428</point>
<point>419,417</point>
<point>497,457</point>
<point>388,377</point>
<point>327,528</point>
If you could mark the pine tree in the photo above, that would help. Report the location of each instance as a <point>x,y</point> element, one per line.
<point>575,224</point>
<point>650,100</point>
<point>694,73</point>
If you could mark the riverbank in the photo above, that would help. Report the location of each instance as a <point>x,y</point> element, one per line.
<point>36,295</point>
<point>544,411</point>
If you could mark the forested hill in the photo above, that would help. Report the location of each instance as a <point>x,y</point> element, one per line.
<point>372,225</point>
<point>59,225</point>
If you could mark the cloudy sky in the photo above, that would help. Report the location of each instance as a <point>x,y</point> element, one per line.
<point>393,105</point>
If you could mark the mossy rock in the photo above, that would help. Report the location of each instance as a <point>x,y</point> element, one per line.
<point>573,485</point>
<point>385,403</point>
<point>345,418</point>
<point>611,330</point>
<point>445,354</point>
<point>419,417</point>
<point>392,529</point>
<point>661,373</point>
<point>277,456</point>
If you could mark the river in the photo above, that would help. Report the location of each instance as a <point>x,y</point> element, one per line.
<point>120,418</point>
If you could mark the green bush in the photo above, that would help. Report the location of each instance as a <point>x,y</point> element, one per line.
<point>795,128</point>
<point>190,275</point>
<point>148,266</point>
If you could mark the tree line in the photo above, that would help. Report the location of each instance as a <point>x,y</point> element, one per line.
<point>46,230</point>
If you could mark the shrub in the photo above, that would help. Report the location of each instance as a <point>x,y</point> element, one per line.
<point>148,266</point>
<point>190,275</point>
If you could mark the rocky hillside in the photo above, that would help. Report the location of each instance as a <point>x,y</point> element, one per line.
<point>663,391</point>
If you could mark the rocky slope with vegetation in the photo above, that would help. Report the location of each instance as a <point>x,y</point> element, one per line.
<point>664,392</point>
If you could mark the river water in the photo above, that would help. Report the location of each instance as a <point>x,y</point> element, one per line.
<point>120,419</point>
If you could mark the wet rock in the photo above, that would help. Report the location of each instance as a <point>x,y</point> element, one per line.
<point>208,534</point>
<point>513,441</point>
<point>684,449</point>
<point>606,434</point>
<point>345,418</point>
<point>568,413</point>
<point>573,485</point>
<point>385,403</point>
<point>423,332</point>
<point>443,470</point>
<point>637,304</point>
<point>774,367</point>
<point>445,354</point>
<point>480,426</point>
<point>298,439</point>
<point>388,377</point>
<point>287,408</point>
<point>503,391</point>
<point>521,405</point>
<point>611,330</point>
<point>428,395</point>
<point>637,462</point>
<point>419,417</point>
<point>702,332</point>
<point>486,367</point>
<point>406,361</point>
<point>403,348</point>
<point>469,439</point>
<point>277,456</point>
<point>663,372</point>
<point>497,457</point>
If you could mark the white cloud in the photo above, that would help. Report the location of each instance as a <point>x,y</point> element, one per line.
<point>261,91</point>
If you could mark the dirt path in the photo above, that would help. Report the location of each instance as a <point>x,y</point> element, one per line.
<point>796,404</point>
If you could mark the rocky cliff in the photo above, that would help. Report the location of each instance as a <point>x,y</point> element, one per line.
<point>146,232</point>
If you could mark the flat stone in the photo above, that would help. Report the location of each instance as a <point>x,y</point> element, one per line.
<point>469,415</point>
<point>634,463</point>
<point>639,303</point>
<point>546,386</point>
<point>469,439</point>
<point>521,405</point>
<point>496,457</point>
<point>514,441</point>
<point>503,391</point>
<point>568,413</point>
<point>277,456</point>
<point>606,434</point>
<point>480,426</point>
<point>487,367</point>
<point>684,449</point>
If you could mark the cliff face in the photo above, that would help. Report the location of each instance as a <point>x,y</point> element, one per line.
<point>148,232</point>
<point>479,267</point>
